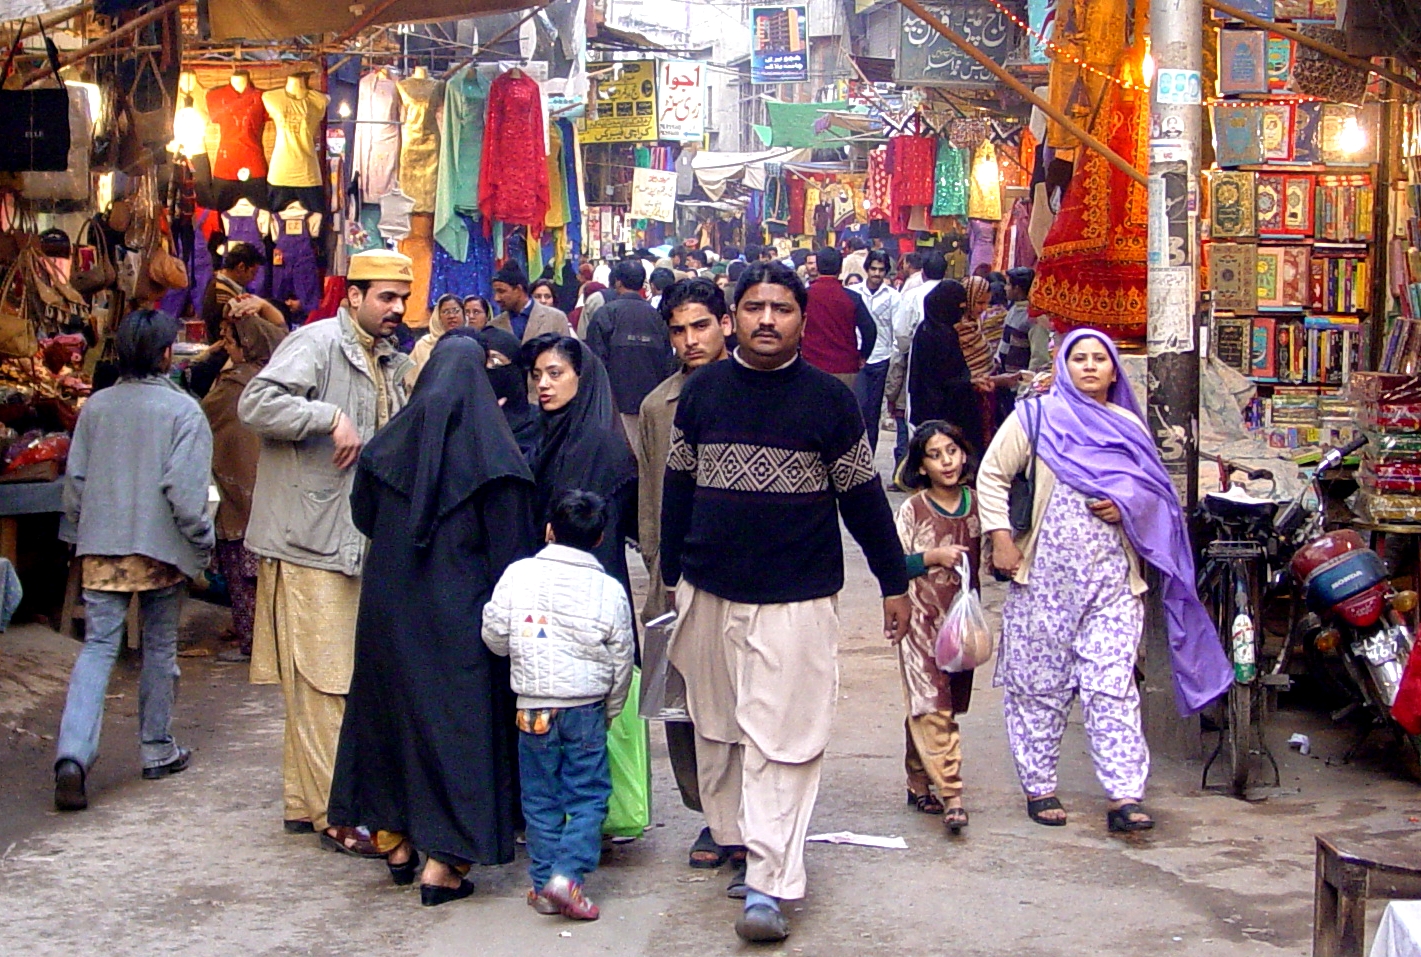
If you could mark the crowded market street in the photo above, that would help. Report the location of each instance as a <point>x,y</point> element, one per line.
<point>197,866</point>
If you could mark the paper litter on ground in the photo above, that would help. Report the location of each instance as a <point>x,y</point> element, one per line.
<point>862,840</point>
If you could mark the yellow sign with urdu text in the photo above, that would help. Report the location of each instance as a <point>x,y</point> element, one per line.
<point>625,104</point>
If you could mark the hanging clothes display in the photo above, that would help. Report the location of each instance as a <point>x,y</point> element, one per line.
<point>471,276</point>
<point>950,180</point>
<point>419,139</point>
<point>200,267</point>
<point>297,111</point>
<point>295,269</point>
<point>395,211</point>
<point>875,190</point>
<point>513,181</point>
<point>572,177</point>
<point>461,141</point>
<point>241,118</point>
<point>246,224</point>
<point>375,157</point>
<point>984,192</point>
<point>1092,270</point>
<point>911,164</point>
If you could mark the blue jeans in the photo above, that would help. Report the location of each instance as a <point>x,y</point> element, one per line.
<point>104,616</point>
<point>566,784</point>
<point>868,389</point>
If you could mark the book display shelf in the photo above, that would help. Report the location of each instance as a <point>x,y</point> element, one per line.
<point>1292,225</point>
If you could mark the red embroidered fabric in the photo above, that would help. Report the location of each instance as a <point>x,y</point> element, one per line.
<point>513,177</point>
<point>241,118</point>
<point>875,198</point>
<point>912,161</point>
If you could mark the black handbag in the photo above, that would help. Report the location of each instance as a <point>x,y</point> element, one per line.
<point>34,124</point>
<point>1021,497</point>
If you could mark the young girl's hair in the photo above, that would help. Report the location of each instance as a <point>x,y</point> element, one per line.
<point>910,474</point>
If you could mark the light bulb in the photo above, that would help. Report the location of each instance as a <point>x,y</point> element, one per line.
<point>343,110</point>
<point>189,129</point>
<point>1351,139</point>
<point>1147,67</point>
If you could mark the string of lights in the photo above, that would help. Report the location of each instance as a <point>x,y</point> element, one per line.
<point>1064,55</point>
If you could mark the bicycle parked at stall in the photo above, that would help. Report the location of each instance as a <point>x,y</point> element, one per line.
<point>1243,565</point>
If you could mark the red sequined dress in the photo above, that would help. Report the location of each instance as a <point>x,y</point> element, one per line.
<point>513,179</point>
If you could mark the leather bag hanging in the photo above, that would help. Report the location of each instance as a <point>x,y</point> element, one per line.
<point>100,275</point>
<point>17,331</point>
<point>153,126</point>
<point>34,124</point>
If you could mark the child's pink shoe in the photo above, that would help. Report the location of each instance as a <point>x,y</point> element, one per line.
<point>567,895</point>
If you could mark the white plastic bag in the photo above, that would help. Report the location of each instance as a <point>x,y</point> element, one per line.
<point>963,642</point>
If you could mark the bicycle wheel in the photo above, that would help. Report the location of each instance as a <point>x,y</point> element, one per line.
<point>1240,721</point>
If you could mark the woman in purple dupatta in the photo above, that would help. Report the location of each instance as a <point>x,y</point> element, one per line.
<point>1074,612</point>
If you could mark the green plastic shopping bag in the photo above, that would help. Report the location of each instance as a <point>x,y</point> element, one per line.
<point>629,809</point>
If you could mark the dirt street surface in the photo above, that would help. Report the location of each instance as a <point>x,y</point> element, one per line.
<point>198,864</point>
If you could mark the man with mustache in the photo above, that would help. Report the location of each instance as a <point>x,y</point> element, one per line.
<point>695,314</point>
<point>767,453</point>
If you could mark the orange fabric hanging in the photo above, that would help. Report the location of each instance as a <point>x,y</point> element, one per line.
<point>1093,267</point>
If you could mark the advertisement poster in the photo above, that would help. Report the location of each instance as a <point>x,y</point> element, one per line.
<point>625,106</point>
<point>779,44</point>
<point>653,195</point>
<point>926,59</point>
<point>681,101</point>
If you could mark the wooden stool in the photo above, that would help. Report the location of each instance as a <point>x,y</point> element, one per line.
<point>1379,865</point>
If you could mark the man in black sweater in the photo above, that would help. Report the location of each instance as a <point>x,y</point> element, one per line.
<point>766,454</point>
<point>630,338</point>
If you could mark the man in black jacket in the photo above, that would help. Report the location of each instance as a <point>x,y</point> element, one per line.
<point>630,338</point>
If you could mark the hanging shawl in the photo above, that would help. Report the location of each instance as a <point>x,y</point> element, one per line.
<point>582,445</point>
<point>1092,270</point>
<point>448,442</point>
<point>1101,453</point>
<point>235,448</point>
<point>510,385</point>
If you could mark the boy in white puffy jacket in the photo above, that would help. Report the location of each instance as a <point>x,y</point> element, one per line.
<point>567,627</point>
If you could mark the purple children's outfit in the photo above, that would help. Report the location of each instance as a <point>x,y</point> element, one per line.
<point>246,229</point>
<point>295,270</point>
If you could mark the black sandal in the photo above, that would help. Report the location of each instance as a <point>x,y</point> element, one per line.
<point>403,875</point>
<point>925,803</point>
<point>1035,807</point>
<point>1120,819</point>
<point>955,819</point>
<point>706,854</point>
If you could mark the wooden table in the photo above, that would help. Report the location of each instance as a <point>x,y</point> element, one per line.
<point>1349,871</point>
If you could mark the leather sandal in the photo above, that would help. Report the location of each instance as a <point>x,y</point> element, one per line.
<point>1122,819</point>
<point>1035,807</point>
<point>354,841</point>
<point>925,803</point>
<point>955,819</point>
<point>706,854</point>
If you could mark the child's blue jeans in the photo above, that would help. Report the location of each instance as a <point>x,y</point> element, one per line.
<point>566,784</point>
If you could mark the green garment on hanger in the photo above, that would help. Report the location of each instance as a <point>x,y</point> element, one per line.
<point>950,181</point>
<point>461,146</point>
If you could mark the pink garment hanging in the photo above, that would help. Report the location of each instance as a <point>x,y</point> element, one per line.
<point>376,154</point>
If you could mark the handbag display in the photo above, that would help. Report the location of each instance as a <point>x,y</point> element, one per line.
<point>17,328</point>
<point>100,275</point>
<point>1021,498</point>
<point>73,184</point>
<point>34,124</point>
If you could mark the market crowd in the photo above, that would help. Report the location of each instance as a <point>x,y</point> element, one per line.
<point>425,542</point>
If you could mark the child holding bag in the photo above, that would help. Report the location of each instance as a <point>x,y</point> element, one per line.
<point>938,526</point>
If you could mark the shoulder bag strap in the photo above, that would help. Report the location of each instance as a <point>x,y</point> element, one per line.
<point>1034,435</point>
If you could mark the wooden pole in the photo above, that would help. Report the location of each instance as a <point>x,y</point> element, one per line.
<point>129,28</point>
<point>1326,49</point>
<point>1021,89</point>
<point>29,29</point>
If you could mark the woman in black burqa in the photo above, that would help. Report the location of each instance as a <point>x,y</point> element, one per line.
<point>509,378</point>
<point>428,748</point>
<point>939,384</point>
<point>582,444</point>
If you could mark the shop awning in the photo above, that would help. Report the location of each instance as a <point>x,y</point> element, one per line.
<point>797,124</point>
<point>713,169</point>
<point>282,19</point>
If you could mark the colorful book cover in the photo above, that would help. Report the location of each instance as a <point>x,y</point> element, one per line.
<point>1307,121</point>
<point>1297,204</point>
<point>1233,339</point>
<point>1243,61</point>
<point>1231,205</point>
<point>1264,358</point>
<point>1277,127</point>
<point>1232,276</point>
<point>1294,276</point>
<point>1268,272</point>
<point>1281,56</point>
<point>1263,9</point>
<point>1292,9</point>
<point>1268,201</point>
<point>1238,135</point>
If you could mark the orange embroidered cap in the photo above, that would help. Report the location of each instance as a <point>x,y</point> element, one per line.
<point>380,265</point>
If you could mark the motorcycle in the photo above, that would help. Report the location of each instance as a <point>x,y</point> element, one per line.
<point>1354,633</point>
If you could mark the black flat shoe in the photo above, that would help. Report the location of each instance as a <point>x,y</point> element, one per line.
<point>298,826</point>
<point>175,766</point>
<point>737,889</point>
<point>432,895</point>
<point>404,874</point>
<point>69,786</point>
<point>762,924</point>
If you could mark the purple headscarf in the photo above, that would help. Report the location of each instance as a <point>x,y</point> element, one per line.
<point>1098,451</point>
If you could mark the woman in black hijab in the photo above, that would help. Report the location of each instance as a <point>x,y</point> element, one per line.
<point>582,445</point>
<point>509,378</point>
<point>428,748</point>
<point>939,384</point>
